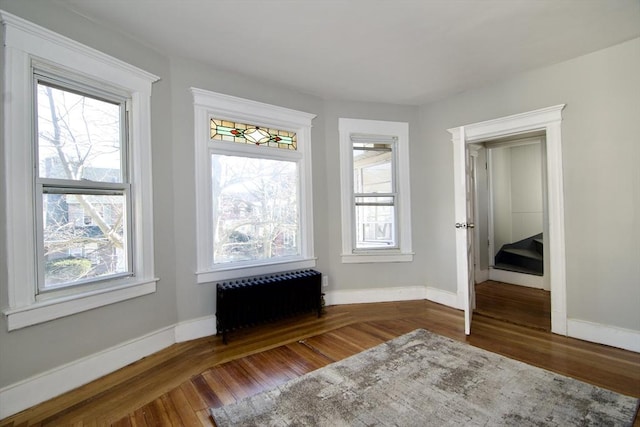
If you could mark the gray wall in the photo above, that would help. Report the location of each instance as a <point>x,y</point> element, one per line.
<point>602,189</point>
<point>601,153</point>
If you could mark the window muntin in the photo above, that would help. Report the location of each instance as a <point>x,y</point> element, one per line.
<point>374,193</point>
<point>81,184</point>
<point>255,209</point>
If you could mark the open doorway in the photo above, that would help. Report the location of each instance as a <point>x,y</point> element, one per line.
<point>511,222</point>
<point>511,215</point>
<point>546,122</point>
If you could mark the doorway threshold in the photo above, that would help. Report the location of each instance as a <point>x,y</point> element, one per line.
<point>514,304</point>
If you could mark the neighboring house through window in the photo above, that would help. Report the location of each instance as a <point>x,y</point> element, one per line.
<point>374,163</point>
<point>253,184</point>
<point>78,176</point>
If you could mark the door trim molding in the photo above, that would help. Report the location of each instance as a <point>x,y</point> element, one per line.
<point>545,119</point>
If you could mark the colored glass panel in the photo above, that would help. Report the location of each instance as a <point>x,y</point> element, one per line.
<point>222,130</point>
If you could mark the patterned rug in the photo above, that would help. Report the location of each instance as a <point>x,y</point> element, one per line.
<point>424,379</point>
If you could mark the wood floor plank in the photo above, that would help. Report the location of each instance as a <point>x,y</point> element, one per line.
<point>184,408</point>
<point>208,395</point>
<point>516,304</point>
<point>191,394</point>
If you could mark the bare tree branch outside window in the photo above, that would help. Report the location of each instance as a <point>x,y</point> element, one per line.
<point>79,145</point>
<point>255,208</point>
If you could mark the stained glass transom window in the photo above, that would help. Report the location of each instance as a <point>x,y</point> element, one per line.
<point>223,130</point>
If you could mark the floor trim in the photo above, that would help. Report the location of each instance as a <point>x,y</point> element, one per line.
<point>614,336</point>
<point>39,388</point>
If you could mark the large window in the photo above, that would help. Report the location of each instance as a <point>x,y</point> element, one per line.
<point>253,186</point>
<point>374,161</point>
<point>77,173</point>
<point>82,184</point>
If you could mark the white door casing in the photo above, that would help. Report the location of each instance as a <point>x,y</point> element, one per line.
<point>547,120</point>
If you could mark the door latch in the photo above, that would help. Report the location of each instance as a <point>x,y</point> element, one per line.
<point>465,225</point>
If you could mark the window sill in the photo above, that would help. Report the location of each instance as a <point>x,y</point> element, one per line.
<point>44,311</point>
<point>362,258</point>
<point>238,272</point>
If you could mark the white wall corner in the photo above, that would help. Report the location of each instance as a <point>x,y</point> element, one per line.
<point>627,339</point>
<point>482,275</point>
<point>450,299</point>
<point>195,328</point>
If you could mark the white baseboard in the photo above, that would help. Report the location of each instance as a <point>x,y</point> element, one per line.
<point>196,328</point>
<point>45,386</point>
<point>481,276</point>
<point>404,293</point>
<point>614,336</point>
<point>514,278</point>
<point>361,296</point>
<point>450,299</point>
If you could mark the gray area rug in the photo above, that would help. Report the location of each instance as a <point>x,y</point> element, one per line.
<point>424,379</point>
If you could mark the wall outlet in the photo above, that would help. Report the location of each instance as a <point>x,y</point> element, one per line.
<point>325,281</point>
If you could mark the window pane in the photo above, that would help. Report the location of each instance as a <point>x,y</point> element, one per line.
<point>375,222</point>
<point>79,137</point>
<point>83,237</point>
<point>255,208</point>
<point>372,168</point>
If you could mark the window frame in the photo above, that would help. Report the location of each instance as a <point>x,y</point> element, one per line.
<point>350,129</point>
<point>208,105</point>
<point>28,47</point>
<point>393,194</point>
<point>44,185</point>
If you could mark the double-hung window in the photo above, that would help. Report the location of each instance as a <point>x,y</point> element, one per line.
<point>253,185</point>
<point>374,161</point>
<point>77,176</point>
<point>82,184</point>
<point>374,192</point>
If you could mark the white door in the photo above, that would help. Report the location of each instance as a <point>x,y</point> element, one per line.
<point>464,205</point>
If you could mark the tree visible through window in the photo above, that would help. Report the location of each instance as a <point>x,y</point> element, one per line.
<point>255,208</point>
<point>83,184</point>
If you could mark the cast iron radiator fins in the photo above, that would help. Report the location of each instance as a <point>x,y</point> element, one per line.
<point>253,300</point>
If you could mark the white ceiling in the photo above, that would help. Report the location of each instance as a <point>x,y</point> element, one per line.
<point>396,51</point>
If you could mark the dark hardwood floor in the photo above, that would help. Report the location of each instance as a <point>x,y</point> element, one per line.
<point>515,304</point>
<point>177,385</point>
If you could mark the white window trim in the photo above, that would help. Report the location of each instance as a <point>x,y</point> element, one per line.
<point>346,128</point>
<point>26,43</point>
<point>209,105</point>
